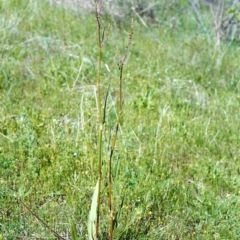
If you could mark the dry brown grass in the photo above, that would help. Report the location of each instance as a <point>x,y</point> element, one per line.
<point>84,6</point>
<point>113,8</point>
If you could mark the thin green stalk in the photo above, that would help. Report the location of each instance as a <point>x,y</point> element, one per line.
<point>99,62</point>
<point>99,177</point>
<point>100,122</point>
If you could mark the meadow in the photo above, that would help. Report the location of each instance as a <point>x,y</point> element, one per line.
<point>176,172</point>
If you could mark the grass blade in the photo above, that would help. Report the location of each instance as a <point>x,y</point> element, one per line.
<point>93,214</point>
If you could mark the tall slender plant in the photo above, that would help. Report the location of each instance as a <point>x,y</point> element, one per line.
<point>94,216</point>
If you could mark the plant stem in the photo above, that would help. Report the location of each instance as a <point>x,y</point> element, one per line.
<point>100,122</point>
<point>119,114</point>
<point>43,222</point>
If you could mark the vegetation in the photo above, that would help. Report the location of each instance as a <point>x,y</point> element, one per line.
<point>176,163</point>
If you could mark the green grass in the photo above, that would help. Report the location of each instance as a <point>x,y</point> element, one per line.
<point>177,158</point>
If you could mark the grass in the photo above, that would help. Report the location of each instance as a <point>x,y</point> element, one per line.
<point>177,156</point>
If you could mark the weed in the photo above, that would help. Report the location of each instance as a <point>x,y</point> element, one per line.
<point>94,217</point>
